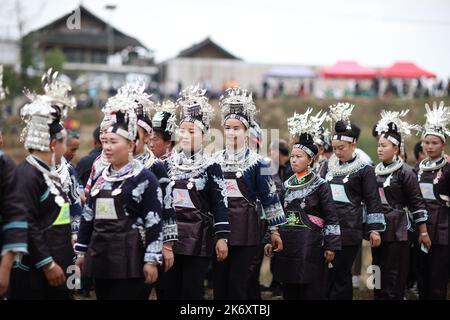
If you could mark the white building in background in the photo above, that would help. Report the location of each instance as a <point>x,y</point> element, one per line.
<point>215,68</point>
<point>10,53</point>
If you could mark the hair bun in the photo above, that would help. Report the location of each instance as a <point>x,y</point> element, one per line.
<point>120,117</point>
<point>392,127</point>
<point>340,126</point>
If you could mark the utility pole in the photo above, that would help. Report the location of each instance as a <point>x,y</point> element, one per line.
<point>110,31</point>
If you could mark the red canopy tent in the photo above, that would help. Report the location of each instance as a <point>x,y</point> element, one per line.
<point>348,70</point>
<point>405,70</point>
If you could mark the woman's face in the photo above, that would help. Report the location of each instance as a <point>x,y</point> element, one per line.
<point>300,161</point>
<point>117,149</point>
<point>386,150</point>
<point>433,146</point>
<point>158,145</point>
<point>103,131</point>
<point>59,147</point>
<point>235,134</point>
<point>190,136</point>
<point>343,149</point>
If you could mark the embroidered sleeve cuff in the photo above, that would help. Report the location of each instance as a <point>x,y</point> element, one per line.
<point>275,215</point>
<point>376,222</point>
<point>153,257</point>
<point>75,224</point>
<point>332,229</point>
<point>170,232</point>
<point>43,262</point>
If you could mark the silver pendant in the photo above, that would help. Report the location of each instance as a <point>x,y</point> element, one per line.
<point>116,192</point>
<point>303,204</point>
<point>435,181</point>
<point>345,180</point>
<point>172,183</point>
<point>238,174</point>
<point>190,185</point>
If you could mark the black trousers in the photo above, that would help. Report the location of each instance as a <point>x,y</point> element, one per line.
<point>120,289</point>
<point>306,291</point>
<point>33,285</point>
<point>230,277</point>
<point>254,288</point>
<point>158,285</point>
<point>184,281</point>
<point>432,272</point>
<point>393,260</point>
<point>340,285</point>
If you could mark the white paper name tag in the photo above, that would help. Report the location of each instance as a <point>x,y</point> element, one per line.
<point>427,191</point>
<point>105,209</point>
<point>233,190</point>
<point>382,196</point>
<point>339,194</point>
<point>182,199</point>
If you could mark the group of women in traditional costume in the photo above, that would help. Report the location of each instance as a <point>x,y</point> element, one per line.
<point>160,211</point>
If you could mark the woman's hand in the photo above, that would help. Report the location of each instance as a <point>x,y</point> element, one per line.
<point>80,262</point>
<point>150,272</point>
<point>54,274</point>
<point>375,239</point>
<point>6,263</point>
<point>329,256</point>
<point>424,239</point>
<point>268,250</point>
<point>221,249</point>
<point>168,256</point>
<point>277,243</point>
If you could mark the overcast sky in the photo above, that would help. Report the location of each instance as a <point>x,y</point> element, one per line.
<point>374,32</point>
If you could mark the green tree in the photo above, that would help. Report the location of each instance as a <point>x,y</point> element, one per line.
<point>54,58</point>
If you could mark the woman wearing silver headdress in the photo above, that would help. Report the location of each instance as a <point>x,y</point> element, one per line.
<point>434,180</point>
<point>101,162</point>
<point>142,153</point>
<point>13,220</point>
<point>311,235</point>
<point>247,178</point>
<point>352,183</point>
<point>402,203</point>
<point>200,201</point>
<point>42,273</point>
<point>164,125</point>
<point>120,238</point>
<point>57,93</point>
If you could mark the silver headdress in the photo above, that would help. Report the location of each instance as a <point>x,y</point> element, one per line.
<point>238,103</point>
<point>165,117</point>
<point>144,106</point>
<point>37,115</point>
<point>196,107</point>
<point>57,92</point>
<point>341,112</point>
<point>437,120</point>
<point>142,98</point>
<point>392,120</point>
<point>124,102</point>
<point>306,128</point>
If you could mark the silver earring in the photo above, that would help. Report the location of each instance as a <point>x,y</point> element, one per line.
<point>130,157</point>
